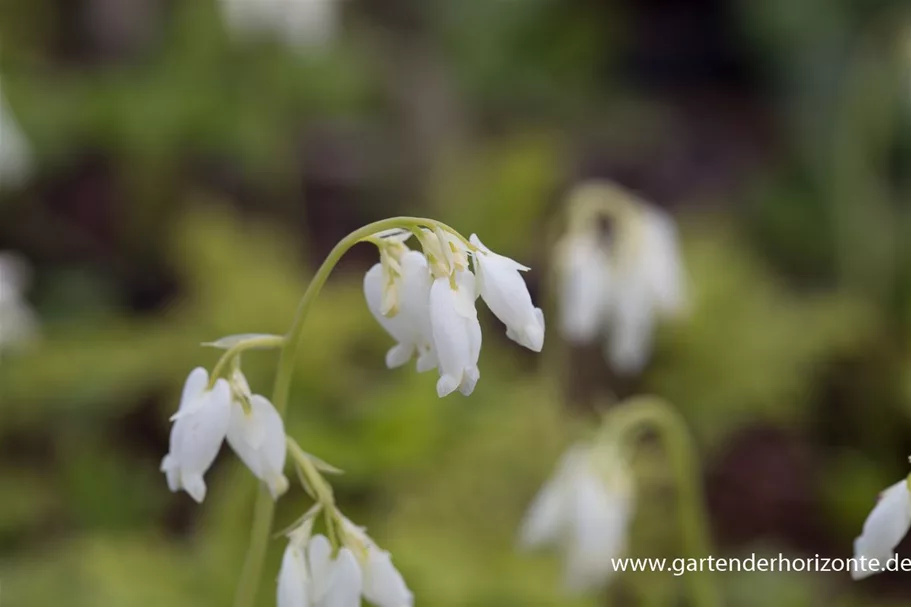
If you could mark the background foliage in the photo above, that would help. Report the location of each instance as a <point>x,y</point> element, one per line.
<point>187,184</point>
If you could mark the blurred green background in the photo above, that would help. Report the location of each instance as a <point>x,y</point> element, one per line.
<point>187,183</point>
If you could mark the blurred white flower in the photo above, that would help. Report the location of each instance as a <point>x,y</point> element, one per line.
<point>585,285</point>
<point>618,283</point>
<point>15,155</point>
<point>884,528</point>
<point>585,510</point>
<point>304,24</point>
<point>18,324</point>
<point>383,584</point>
<point>506,294</point>
<point>256,433</point>
<point>310,577</point>
<point>200,426</point>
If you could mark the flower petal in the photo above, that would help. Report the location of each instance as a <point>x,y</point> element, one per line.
<point>345,582</point>
<point>293,580</point>
<point>584,287</point>
<point>885,527</point>
<point>383,584</point>
<point>201,433</point>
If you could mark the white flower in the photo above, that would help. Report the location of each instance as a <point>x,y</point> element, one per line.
<point>410,325</point>
<point>200,426</point>
<point>299,23</point>
<point>17,321</point>
<point>884,528</point>
<point>584,288</point>
<point>257,436</point>
<point>506,294</point>
<point>456,332</point>
<point>620,284</point>
<point>586,511</point>
<point>310,577</point>
<point>383,584</point>
<point>15,155</point>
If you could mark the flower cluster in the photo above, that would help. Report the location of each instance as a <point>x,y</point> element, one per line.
<point>619,268</point>
<point>17,321</point>
<point>299,23</point>
<point>15,155</point>
<point>312,576</point>
<point>426,302</point>
<point>585,510</point>
<point>211,413</point>
<point>884,528</point>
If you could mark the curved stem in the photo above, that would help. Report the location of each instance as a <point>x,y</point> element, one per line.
<point>263,341</point>
<point>626,423</point>
<point>264,508</point>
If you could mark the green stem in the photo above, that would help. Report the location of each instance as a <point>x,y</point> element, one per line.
<point>265,341</point>
<point>627,423</point>
<point>264,508</point>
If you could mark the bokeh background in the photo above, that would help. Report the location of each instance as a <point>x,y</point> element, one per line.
<point>186,182</point>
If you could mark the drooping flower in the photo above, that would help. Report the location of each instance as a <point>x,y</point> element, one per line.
<point>456,332</point>
<point>618,282</point>
<point>18,324</point>
<point>585,510</point>
<point>256,433</point>
<point>504,291</point>
<point>15,155</point>
<point>200,426</point>
<point>426,301</point>
<point>310,577</point>
<point>410,325</point>
<point>884,528</point>
<point>383,584</point>
<point>304,24</point>
<point>584,289</point>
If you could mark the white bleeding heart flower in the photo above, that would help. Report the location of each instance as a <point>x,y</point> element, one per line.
<point>585,511</point>
<point>257,436</point>
<point>456,332</point>
<point>619,284</point>
<point>410,325</point>
<point>199,428</point>
<point>884,528</point>
<point>383,584</point>
<point>503,289</point>
<point>584,287</point>
<point>310,577</point>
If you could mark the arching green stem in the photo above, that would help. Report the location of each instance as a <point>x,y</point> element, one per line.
<point>626,424</point>
<point>264,507</point>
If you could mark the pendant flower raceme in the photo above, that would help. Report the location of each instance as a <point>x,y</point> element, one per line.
<point>884,528</point>
<point>426,301</point>
<point>619,269</point>
<point>208,416</point>
<point>585,510</point>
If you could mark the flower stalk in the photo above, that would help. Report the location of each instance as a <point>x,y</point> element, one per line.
<point>264,507</point>
<point>627,423</point>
